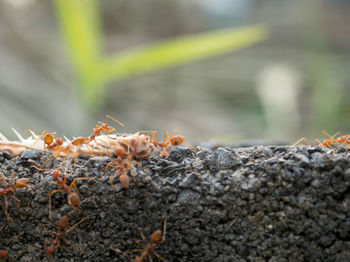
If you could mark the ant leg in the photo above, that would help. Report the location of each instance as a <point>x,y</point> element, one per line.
<point>50,208</point>
<point>172,134</point>
<point>111,182</point>
<point>164,229</point>
<point>300,140</point>
<point>317,142</point>
<point>9,219</point>
<point>127,167</point>
<point>48,232</point>
<point>165,136</point>
<point>110,165</point>
<point>158,256</point>
<point>135,250</point>
<point>68,243</point>
<point>187,145</point>
<point>348,146</point>
<point>76,224</point>
<point>18,201</point>
<point>115,120</point>
<point>332,138</point>
<point>4,181</point>
<point>139,243</point>
<point>13,174</point>
<point>75,180</point>
<point>148,132</point>
<point>114,162</point>
<point>47,160</point>
<point>141,233</point>
<point>78,210</point>
<point>42,134</point>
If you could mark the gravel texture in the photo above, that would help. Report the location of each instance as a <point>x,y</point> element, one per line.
<point>265,203</point>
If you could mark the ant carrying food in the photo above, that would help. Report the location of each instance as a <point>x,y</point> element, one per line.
<point>10,190</point>
<point>61,226</point>
<point>122,164</point>
<point>156,238</point>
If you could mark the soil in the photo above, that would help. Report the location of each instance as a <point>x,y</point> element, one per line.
<point>262,203</point>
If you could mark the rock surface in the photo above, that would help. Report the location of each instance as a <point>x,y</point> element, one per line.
<point>274,203</point>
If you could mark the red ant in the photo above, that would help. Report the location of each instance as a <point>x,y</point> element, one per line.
<point>342,139</point>
<point>20,183</point>
<point>326,142</point>
<point>173,141</point>
<point>4,252</point>
<point>73,198</point>
<point>97,131</point>
<point>50,140</point>
<point>156,238</point>
<point>123,165</point>
<point>61,226</point>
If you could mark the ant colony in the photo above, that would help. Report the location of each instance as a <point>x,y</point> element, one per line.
<point>122,150</point>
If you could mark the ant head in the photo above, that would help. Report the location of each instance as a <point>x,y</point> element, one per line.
<point>119,152</point>
<point>156,236</point>
<point>50,250</point>
<point>63,222</point>
<point>55,174</point>
<point>177,140</point>
<point>4,253</point>
<point>48,139</point>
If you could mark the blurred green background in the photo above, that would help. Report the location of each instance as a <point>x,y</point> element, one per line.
<point>224,70</point>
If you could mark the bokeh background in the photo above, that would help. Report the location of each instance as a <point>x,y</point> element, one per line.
<point>294,82</point>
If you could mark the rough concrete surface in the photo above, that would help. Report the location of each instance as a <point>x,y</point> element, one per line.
<point>266,203</point>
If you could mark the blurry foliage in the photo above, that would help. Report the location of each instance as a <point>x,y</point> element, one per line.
<point>80,25</point>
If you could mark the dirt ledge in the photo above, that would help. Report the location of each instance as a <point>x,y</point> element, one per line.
<point>273,203</point>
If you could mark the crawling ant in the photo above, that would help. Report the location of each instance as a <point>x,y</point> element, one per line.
<point>61,226</point>
<point>50,140</point>
<point>20,183</point>
<point>123,165</point>
<point>174,140</point>
<point>97,131</point>
<point>326,142</point>
<point>73,198</point>
<point>156,238</point>
<point>4,252</point>
<point>342,139</point>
